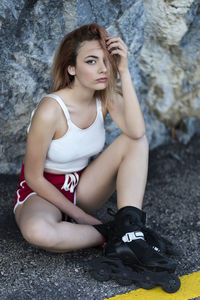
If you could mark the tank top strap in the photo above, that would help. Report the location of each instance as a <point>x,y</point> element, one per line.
<point>62,104</point>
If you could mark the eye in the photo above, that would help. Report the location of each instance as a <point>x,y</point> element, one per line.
<point>91,62</point>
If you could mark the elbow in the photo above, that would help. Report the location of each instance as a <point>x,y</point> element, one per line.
<point>139,135</point>
<point>27,176</point>
<point>136,131</point>
<point>141,139</point>
<point>31,179</point>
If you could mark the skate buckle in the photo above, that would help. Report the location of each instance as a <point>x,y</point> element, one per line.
<point>132,236</point>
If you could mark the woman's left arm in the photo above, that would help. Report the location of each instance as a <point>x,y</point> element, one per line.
<point>125,111</point>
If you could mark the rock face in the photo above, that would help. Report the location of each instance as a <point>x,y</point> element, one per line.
<point>31,31</point>
<point>170,63</point>
<point>163,40</point>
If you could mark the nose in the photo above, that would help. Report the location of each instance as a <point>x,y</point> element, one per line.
<point>102,68</point>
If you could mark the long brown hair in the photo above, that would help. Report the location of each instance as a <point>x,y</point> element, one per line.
<point>67,53</point>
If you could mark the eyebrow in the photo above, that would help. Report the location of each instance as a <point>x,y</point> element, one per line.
<point>93,56</point>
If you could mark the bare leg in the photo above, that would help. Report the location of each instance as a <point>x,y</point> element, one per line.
<point>123,165</point>
<point>41,225</point>
<point>132,175</point>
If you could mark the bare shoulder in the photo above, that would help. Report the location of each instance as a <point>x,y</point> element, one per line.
<point>48,109</point>
<point>46,117</point>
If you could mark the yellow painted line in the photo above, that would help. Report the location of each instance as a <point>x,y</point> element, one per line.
<point>190,288</point>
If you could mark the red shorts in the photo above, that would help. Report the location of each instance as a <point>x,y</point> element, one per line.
<point>65,183</point>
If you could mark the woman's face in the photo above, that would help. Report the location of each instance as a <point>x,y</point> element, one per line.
<point>91,70</point>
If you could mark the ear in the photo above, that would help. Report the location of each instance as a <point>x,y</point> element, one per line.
<point>71,70</point>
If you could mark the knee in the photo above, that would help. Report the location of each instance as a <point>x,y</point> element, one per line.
<point>38,233</point>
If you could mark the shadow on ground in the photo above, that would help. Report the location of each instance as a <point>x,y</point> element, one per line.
<point>172,205</point>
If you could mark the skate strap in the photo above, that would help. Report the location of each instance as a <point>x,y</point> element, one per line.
<point>132,236</point>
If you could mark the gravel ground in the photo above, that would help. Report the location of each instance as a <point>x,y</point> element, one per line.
<point>172,205</point>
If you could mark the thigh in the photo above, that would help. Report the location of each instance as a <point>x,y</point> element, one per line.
<point>35,209</point>
<point>98,181</point>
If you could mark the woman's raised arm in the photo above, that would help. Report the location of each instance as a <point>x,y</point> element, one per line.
<point>125,111</point>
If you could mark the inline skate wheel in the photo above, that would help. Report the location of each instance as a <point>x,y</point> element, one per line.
<point>102,273</point>
<point>124,278</point>
<point>147,285</point>
<point>172,285</point>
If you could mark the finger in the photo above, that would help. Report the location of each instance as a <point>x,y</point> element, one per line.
<point>118,51</point>
<point>112,40</point>
<point>117,45</point>
<point>115,39</point>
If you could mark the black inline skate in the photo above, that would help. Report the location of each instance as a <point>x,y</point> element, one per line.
<point>128,257</point>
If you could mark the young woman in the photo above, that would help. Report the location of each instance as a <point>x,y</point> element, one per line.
<point>67,128</point>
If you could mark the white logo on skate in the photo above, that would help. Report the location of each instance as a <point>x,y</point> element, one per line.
<point>156,248</point>
<point>132,236</point>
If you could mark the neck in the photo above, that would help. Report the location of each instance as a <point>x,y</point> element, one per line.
<point>81,96</point>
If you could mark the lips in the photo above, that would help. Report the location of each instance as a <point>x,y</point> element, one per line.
<point>104,79</point>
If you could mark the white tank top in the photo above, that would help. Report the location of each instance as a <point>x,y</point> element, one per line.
<point>72,151</point>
